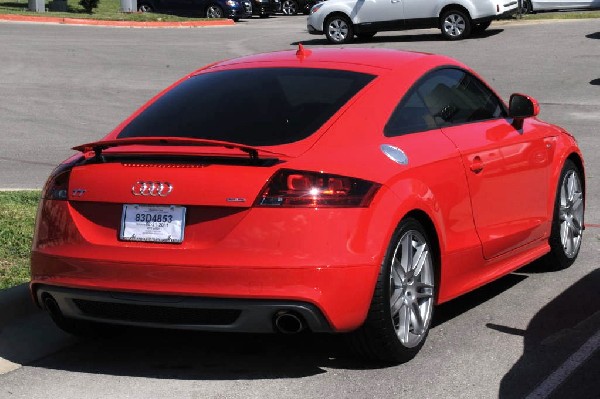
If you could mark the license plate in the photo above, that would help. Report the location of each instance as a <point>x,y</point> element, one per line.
<point>152,223</point>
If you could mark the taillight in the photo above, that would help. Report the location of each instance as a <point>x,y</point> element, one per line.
<point>57,185</point>
<point>292,188</point>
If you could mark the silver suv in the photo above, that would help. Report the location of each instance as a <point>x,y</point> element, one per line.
<point>341,20</point>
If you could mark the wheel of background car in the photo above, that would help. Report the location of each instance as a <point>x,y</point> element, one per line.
<point>479,28</point>
<point>338,29</point>
<point>289,7</point>
<point>366,35</point>
<point>567,221</point>
<point>214,11</point>
<point>402,306</point>
<point>144,7</point>
<point>455,24</point>
<point>526,7</point>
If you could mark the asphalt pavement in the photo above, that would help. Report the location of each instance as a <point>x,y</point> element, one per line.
<point>530,334</point>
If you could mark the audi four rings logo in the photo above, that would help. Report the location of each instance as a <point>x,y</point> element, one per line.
<point>151,188</point>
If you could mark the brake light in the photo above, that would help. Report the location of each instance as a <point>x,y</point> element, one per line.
<point>292,188</point>
<point>57,185</point>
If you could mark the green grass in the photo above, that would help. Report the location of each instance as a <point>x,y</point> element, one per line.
<point>561,15</point>
<point>17,216</point>
<point>107,10</point>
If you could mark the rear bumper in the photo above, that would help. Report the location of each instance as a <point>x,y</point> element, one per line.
<point>178,312</point>
<point>327,259</point>
<point>507,14</point>
<point>333,299</point>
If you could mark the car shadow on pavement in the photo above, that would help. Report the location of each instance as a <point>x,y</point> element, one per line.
<point>423,37</point>
<point>554,334</point>
<point>595,82</point>
<point>190,355</point>
<point>593,35</point>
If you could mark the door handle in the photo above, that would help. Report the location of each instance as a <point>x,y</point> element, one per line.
<point>476,165</point>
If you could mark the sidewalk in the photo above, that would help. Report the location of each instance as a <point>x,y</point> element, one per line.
<point>26,333</point>
<point>122,24</point>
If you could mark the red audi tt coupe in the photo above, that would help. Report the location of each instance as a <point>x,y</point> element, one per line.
<point>330,190</point>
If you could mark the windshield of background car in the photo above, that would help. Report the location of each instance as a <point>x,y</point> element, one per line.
<point>258,107</point>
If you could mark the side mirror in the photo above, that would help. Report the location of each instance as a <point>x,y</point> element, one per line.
<point>522,106</point>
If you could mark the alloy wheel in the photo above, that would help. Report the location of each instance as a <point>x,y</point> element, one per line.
<point>411,288</point>
<point>571,213</point>
<point>289,7</point>
<point>454,25</point>
<point>214,12</point>
<point>338,30</point>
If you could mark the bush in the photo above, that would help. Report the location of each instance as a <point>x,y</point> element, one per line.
<point>89,5</point>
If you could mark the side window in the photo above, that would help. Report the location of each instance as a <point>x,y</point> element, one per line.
<point>445,97</point>
<point>412,115</point>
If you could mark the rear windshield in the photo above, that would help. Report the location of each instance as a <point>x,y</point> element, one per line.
<point>258,107</point>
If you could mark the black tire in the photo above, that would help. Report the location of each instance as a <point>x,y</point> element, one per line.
<point>390,334</point>
<point>289,7</point>
<point>366,35</point>
<point>214,11</point>
<point>526,7</point>
<point>339,29</point>
<point>455,24</point>
<point>481,27</point>
<point>567,220</point>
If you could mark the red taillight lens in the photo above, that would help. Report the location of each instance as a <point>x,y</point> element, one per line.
<point>292,188</point>
<point>57,186</point>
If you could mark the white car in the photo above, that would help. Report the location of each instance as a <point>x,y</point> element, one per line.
<point>548,5</point>
<point>341,20</point>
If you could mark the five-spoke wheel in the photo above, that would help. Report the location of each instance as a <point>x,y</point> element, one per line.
<point>411,288</point>
<point>289,7</point>
<point>402,306</point>
<point>567,224</point>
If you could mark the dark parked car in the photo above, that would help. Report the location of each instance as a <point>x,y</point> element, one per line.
<point>234,9</point>
<point>264,8</point>
<point>293,7</point>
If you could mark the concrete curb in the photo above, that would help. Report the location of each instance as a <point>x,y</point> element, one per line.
<point>15,303</point>
<point>122,24</point>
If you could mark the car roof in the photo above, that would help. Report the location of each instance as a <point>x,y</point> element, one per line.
<point>342,58</point>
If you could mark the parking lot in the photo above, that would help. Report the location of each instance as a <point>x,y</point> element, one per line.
<point>66,85</point>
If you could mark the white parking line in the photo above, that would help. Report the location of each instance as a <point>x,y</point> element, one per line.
<point>546,388</point>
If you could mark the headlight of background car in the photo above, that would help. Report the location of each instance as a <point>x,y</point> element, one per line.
<point>231,3</point>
